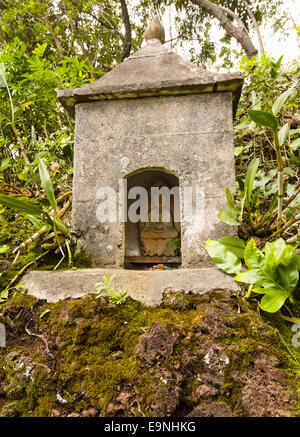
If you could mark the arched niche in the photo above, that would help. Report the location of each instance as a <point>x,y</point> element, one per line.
<point>157,241</point>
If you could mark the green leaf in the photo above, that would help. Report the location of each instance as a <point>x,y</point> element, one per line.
<point>277,272</point>
<point>34,220</point>
<point>250,176</point>
<point>234,245</point>
<point>264,118</point>
<point>295,144</point>
<point>5,163</point>
<point>21,205</point>
<point>44,313</point>
<point>287,267</point>
<point>288,170</point>
<point>101,287</point>
<point>249,277</point>
<point>4,293</point>
<point>280,101</point>
<point>228,217</point>
<point>4,248</point>
<point>238,150</point>
<point>222,257</point>
<point>273,299</point>
<point>230,201</point>
<point>47,184</point>
<point>283,134</point>
<point>60,226</point>
<point>275,248</point>
<point>112,277</point>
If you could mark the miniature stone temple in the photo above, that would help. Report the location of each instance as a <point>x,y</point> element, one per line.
<point>154,119</point>
<point>156,124</point>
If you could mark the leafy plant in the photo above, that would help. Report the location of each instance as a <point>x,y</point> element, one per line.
<point>115,297</point>
<point>247,205</point>
<point>47,221</point>
<point>227,253</point>
<point>246,200</point>
<point>276,272</point>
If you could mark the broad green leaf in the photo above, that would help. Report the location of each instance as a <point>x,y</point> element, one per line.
<point>259,273</point>
<point>264,118</point>
<point>249,277</point>
<point>277,272</point>
<point>4,248</point>
<point>234,245</point>
<point>295,145</point>
<point>283,134</point>
<point>228,218</point>
<point>250,176</point>
<point>47,184</point>
<point>288,269</point>
<point>276,247</point>
<point>280,101</point>
<point>273,299</point>
<point>21,205</point>
<point>253,256</point>
<point>222,257</point>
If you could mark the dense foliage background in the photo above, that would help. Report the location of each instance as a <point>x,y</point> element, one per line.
<point>49,45</point>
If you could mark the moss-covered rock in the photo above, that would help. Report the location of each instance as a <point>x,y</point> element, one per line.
<point>208,355</point>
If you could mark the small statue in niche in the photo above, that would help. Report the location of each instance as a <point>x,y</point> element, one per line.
<point>160,237</point>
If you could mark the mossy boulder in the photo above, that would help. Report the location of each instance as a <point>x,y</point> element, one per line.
<point>194,355</point>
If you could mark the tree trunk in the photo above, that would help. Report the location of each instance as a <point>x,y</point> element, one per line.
<point>239,31</point>
<point>128,40</point>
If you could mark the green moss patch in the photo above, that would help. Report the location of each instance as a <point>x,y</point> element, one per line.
<point>200,356</point>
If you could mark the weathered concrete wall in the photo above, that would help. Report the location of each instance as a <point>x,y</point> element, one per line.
<point>189,136</point>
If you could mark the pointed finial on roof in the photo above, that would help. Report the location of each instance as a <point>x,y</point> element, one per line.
<point>155,31</point>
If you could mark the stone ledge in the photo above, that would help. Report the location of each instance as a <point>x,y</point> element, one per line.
<point>146,286</point>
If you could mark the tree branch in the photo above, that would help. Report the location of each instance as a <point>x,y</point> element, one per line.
<point>233,15</point>
<point>101,20</point>
<point>240,34</point>
<point>128,39</point>
<point>255,24</point>
<point>56,40</point>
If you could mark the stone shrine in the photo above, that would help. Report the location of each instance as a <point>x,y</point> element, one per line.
<point>156,121</point>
